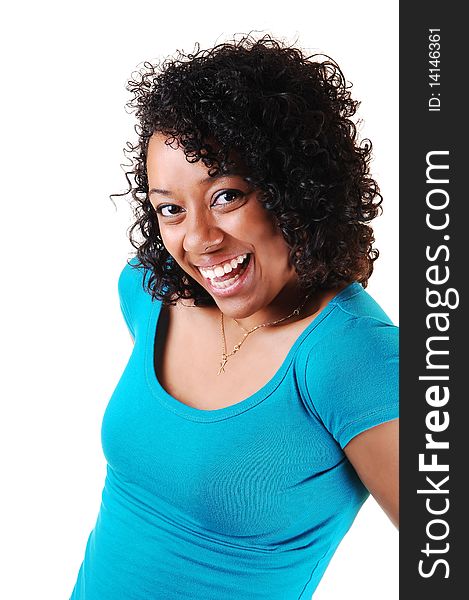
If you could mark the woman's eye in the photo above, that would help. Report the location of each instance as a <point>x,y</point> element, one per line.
<point>168,210</point>
<point>228,196</point>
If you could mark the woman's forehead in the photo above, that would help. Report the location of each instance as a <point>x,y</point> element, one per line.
<point>165,156</point>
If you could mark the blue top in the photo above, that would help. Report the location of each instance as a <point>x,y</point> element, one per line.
<point>248,501</point>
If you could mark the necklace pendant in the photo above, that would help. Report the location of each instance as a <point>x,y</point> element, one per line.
<point>223,362</point>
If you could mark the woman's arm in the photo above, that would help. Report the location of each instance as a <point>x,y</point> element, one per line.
<point>374,454</point>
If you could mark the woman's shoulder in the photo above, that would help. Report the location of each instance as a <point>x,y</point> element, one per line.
<point>357,304</point>
<point>132,288</point>
<point>364,325</point>
<point>356,338</point>
<point>133,279</point>
<point>130,275</point>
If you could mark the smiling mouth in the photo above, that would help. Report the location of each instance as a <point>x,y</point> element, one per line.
<point>223,276</point>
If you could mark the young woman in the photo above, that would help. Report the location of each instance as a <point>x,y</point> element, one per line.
<point>259,406</point>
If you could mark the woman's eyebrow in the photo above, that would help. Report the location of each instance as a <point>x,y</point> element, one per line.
<point>158,191</point>
<point>233,173</point>
<point>237,173</point>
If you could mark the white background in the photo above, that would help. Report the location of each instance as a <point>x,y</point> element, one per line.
<point>63,244</point>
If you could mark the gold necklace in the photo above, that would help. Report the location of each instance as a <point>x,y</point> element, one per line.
<point>236,347</point>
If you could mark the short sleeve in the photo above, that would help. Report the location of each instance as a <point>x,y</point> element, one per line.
<point>352,377</point>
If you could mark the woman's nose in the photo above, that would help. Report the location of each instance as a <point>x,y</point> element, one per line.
<point>201,232</point>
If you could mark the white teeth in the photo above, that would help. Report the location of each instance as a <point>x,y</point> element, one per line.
<point>226,283</point>
<point>223,269</point>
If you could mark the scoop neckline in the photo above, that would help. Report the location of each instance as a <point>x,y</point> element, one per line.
<point>218,414</point>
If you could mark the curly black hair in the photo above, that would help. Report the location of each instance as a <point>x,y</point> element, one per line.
<point>289,117</point>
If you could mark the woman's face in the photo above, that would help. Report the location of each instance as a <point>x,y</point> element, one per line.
<point>218,231</point>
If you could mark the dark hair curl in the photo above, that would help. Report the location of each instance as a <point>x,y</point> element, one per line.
<point>289,117</point>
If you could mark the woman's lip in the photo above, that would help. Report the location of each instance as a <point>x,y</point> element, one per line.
<point>237,285</point>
